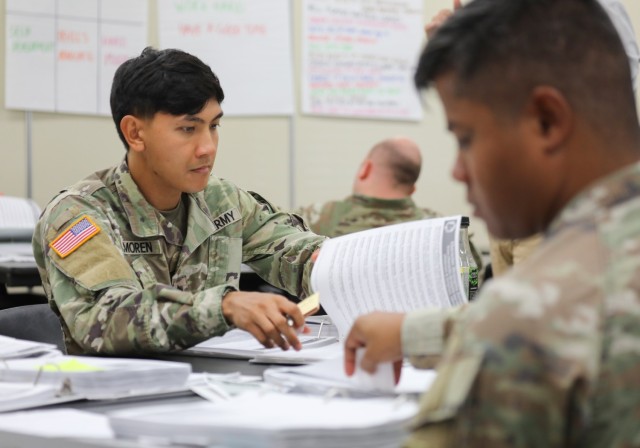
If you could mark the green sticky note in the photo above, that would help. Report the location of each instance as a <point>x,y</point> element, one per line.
<point>72,365</point>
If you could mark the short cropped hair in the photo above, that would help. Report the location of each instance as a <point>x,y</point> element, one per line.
<point>500,50</point>
<point>170,81</point>
<point>404,170</point>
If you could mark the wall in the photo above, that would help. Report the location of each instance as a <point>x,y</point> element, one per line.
<point>253,152</point>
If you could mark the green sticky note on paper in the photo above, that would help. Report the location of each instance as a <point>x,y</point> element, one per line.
<point>72,365</point>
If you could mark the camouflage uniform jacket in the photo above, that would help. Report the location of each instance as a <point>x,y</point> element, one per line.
<point>358,212</point>
<point>549,354</point>
<point>115,293</point>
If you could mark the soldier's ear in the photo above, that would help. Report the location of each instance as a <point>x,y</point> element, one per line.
<point>365,170</point>
<point>132,129</point>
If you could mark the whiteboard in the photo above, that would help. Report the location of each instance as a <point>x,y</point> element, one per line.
<point>247,44</point>
<point>61,55</point>
<point>359,57</point>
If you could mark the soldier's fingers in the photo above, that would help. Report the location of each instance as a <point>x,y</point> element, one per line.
<point>457,4</point>
<point>257,333</point>
<point>272,326</point>
<point>397,370</point>
<point>292,313</point>
<point>368,364</point>
<point>282,328</point>
<point>351,344</point>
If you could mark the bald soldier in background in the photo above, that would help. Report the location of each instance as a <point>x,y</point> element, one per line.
<point>382,191</point>
<point>547,355</point>
<point>145,256</point>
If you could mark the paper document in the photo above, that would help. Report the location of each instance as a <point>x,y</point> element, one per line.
<point>18,213</point>
<point>273,420</point>
<point>20,348</point>
<point>240,344</point>
<point>98,378</point>
<point>57,423</point>
<point>327,375</point>
<point>18,396</point>
<point>396,268</point>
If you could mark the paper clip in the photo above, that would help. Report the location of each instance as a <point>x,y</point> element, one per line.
<point>320,329</point>
<point>65,387</point>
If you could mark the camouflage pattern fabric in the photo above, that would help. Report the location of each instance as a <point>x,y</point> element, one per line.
<point>115,293</point>
<point>548,355</point>
<point>506,253</point>
<point>357,212</point>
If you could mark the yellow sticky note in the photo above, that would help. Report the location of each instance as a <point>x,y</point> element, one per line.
<point>310,305</point>
<point>71,365</point>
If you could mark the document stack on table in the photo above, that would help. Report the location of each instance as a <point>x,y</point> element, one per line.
<point>396,268</point>
<point>271,419</point>
<point>11,348</point>
<point>32,382</point>
<point>329,377</point>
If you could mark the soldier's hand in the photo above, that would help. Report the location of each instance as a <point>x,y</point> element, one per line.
<point>437,20</point>
<point>380,334</point>
<point>265,316</point>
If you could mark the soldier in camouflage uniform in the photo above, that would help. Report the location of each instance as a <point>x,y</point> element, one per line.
<point>145,256</point>
<point>381,196</point>
<point>547,356</point>
<point>382,192</point>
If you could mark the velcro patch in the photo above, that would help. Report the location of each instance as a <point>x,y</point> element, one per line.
<point>141,247</point>
<point>74,236</point>
<point>226,218</point>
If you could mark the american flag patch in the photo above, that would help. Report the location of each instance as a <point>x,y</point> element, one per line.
<point>74,236</point>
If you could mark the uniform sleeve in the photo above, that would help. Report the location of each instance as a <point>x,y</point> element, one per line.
<point>511,375</point>
<point>277,245</point>
<point>424,333</point>
<point>103,305</point>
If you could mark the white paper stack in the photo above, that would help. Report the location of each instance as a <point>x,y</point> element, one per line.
<point>19,348</point>
<point>98,378</point>
<point>273,420</point>
<point>16,396</point>
<point>329,376</point>
<point>240,344</point>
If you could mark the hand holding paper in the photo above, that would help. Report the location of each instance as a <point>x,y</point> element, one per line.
<point>378,335</point>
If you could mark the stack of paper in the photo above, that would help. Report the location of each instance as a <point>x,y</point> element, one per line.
<point>329,376</point>
<point>19,348</point>
<point>273,420</point>
<point>16,396</point>
<point>98,378</point>
<point>18,218</point>
<point>242,345</point>
<point>45,425</point>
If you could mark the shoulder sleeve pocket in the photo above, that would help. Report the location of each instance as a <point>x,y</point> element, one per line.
<point>95,265</point>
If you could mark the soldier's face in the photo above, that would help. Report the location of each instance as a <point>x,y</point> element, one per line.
<point>496,161</point>
<point>179,151</point>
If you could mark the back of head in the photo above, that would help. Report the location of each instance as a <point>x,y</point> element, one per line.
<point>500,50</point>
<point>170,81</point>
<point>396,164</point>
<point>401,160</point>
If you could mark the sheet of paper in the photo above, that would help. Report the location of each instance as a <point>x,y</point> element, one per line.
<point>395,268</point>
<point>58,423</point>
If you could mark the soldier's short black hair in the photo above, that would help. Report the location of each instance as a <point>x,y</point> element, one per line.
<point>499,50</point>
<point>170,81</point>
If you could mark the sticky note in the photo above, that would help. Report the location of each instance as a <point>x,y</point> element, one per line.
<point>72,365</point>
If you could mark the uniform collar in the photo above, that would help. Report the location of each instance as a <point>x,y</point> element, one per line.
<point>595,200</point>
<point>369,201</point>
<point>144,219</point>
